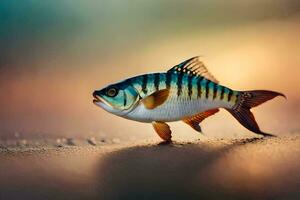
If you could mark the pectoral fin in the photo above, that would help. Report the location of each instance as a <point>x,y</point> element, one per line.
<point>163,130</point>
<point>155,99</point>
<point>195,120</point>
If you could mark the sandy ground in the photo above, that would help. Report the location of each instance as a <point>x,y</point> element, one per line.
<point>206,169</point>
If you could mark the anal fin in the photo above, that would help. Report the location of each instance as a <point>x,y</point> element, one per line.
<point>163,130</point>
<point>195,120</point>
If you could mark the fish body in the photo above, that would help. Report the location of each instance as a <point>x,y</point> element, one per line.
<point>187,92</point>
<point>188,95</point>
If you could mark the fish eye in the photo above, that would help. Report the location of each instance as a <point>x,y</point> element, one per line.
<point>112,92</point>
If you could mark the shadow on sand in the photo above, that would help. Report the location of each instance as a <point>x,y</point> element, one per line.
<point>165,172</point>
<point>244,169</point>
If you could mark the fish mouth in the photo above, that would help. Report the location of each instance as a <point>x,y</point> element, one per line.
<point>97,99</point>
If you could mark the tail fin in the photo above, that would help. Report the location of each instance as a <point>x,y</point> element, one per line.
<point>246,101</point>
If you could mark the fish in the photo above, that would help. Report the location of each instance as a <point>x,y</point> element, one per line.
<point>187,92</point>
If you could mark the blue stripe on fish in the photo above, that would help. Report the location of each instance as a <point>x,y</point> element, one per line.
<point>230,93</point>
<point>179,83</point>
<point>144,83</point>
<point>150,83</point>
<point>207,88</point>
<point>215,90</point>
<point>190,86</point>
<point>162,81</point>
<point>222,92</point>
<point>226,92</point>
<point>199,86</point>
<point>125,99</point>
<point>168,80</point>
<point>156,81</point>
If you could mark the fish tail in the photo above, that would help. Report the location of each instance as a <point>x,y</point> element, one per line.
<point>247,100</point>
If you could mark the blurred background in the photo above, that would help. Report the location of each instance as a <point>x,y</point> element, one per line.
<point>53,54</point>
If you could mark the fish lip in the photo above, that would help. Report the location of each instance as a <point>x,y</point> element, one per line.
<point>96,99</point>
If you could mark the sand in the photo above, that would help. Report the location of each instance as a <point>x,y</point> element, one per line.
<point>207,169</point>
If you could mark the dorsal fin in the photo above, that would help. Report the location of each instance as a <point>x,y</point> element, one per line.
<point>193,67</point>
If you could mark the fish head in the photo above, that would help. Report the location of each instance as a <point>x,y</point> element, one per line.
<point>118,99</point>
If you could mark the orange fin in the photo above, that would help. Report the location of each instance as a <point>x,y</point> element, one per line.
<point>163,130</point>
<point>195,120</point>
<point>155,99</point>
<point>246,101</point>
